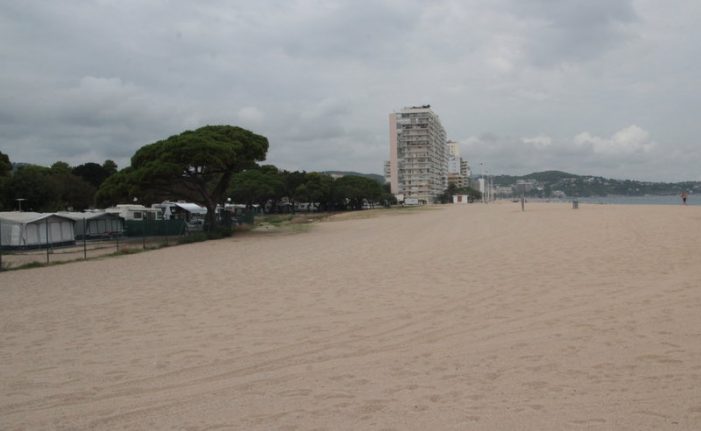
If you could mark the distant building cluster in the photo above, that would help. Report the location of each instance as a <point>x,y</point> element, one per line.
<point>458,169</point>
<point>422,161</point>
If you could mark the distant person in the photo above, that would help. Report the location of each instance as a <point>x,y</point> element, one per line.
<point>684,195</point>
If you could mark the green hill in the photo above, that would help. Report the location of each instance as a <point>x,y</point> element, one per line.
<point>548,182</point>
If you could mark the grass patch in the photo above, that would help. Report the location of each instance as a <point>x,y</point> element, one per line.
<point>274,219</point>
<point>218,233</point>
<point>126,251</point>
<point>375,212</point>
<point>8,266</point>
<point>128,248</point>
<point>298,227</point>
<point>29,265</point>
<point>287,223</point>
<point>193,237</point>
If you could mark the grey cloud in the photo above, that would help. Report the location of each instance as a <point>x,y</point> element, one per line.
<point>574,30</point>
<point>98,79</point>
<point>630,149</point>
<point>362,30</point>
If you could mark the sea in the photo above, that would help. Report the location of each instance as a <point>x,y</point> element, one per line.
<point>635,200</point>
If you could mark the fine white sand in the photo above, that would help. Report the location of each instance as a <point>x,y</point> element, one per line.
<point>464,317</point>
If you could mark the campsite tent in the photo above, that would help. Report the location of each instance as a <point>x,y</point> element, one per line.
<point>30,229</point>
<point>192,214</point>
<point>181,210</point>
<point>95,224</point>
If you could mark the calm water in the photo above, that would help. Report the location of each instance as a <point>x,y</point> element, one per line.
<point>641,200</point>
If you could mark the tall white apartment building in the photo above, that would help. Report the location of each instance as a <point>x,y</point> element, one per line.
<point>418,154</point>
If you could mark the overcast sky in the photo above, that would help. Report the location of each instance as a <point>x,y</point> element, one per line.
<point>602,87</point>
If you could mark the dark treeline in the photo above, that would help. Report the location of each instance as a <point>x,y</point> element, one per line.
<point>54,188</point>
<point>446,197</point>
<point>93,185</point>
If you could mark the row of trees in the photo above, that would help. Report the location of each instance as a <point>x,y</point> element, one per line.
<point>58,187</point>
<point>206,166</point>
<point>277,190</point>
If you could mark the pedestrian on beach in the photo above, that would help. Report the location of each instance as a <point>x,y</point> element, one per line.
<point>684,195</point>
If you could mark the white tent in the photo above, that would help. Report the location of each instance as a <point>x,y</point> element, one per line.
<point>192,214</point>
<point>95,224</point>
<point>29,229</point>
<point>184,210</point>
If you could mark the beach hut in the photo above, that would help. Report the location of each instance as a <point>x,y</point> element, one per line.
<point>33,230</point>
<point>461,199</point>
<point>95,224</point>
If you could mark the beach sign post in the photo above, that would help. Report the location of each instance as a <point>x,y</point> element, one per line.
<point>85,239</point>
<point>521,187</point>
<point>47,240</point>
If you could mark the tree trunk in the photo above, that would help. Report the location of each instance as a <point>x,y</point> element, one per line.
<point>211,218</point>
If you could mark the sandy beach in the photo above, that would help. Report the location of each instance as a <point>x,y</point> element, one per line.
<point>477,317</point>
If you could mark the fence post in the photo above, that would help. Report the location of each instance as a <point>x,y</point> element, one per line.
<point>85,240</point>
<point>47,240</point>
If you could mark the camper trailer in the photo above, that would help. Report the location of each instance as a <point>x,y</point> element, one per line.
<point>135,212</point>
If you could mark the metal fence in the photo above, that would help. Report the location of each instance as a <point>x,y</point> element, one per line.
<point>140,228</point>
<point>135,236</point>
<point>81,250</point>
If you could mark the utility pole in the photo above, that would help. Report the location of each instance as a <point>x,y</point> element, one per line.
<point>483,188</point>
<point>486,187</point>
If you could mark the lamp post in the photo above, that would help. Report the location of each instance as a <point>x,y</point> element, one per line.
<point>227,217</point>
<point>486,187</point>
